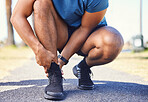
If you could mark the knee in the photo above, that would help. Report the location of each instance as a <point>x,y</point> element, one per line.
<point>112,44</point>
<point>41,8</point>
<point>113,38</point>
<point>108,43</point>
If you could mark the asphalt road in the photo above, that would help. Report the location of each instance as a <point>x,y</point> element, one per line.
<point>26,84</point>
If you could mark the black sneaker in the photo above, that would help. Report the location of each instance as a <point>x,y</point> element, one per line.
<point>85,82</point>
<point>54,91</point>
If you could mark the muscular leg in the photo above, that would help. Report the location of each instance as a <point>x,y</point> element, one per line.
<point>49,27</point>
<point>52,33</point>
<point>102,46</point>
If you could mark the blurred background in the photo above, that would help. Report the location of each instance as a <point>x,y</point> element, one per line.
<point>130,17</point>
<point>123,15</point>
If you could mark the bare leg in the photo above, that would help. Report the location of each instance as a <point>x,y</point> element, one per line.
<point>49,27</point>
<point>102,46</point>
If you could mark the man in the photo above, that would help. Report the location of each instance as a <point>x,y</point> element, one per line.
<point>69,26</point>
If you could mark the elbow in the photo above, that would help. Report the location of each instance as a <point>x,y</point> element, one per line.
<point>12,19</point>
<point>16,19</point>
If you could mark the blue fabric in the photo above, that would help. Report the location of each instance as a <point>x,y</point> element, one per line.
<point>71,11</point>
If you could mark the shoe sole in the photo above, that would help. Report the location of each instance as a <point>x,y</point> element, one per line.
<point>53,96</point>
<point>86,87</point>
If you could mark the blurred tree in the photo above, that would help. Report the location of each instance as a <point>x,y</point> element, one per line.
<point>10,39</point>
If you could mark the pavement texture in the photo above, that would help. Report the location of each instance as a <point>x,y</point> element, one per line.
<point>26,84</point>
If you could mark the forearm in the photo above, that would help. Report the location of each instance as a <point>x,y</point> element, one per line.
<point>25,31</point>
<point>75,43</point>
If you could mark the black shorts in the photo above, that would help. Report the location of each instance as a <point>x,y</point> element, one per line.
<point>72,29</point>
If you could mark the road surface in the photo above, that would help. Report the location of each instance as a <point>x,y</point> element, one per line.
<point>26,84</point>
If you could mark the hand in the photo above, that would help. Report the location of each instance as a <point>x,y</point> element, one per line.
<point>44,57</point>
<point>46,71</point>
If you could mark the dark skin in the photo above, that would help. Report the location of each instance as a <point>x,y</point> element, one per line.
<point>52,34</point>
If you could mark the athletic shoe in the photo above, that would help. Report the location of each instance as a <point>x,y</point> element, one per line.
<point>54,91</point>
<point>84,82</point>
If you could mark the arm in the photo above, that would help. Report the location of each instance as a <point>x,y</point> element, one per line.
<point>89,22</point>
<point>22,10</point>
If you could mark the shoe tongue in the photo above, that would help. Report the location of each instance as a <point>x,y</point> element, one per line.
<point>54,67</point>
<point>54,73</point>
<point>83,65</point>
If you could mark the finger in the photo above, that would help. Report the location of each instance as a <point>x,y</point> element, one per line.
<point>38,62</point>
<point>62,72</point>
<point>47,75</point>
<point>55,60</point>
<point>45,69</point>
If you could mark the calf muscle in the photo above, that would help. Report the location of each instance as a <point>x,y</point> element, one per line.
<point>45,26</point>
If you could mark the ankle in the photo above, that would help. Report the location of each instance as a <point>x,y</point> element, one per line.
<point>83,64</point>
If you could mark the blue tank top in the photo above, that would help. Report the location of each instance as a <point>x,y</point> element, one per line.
<point>71,11</point>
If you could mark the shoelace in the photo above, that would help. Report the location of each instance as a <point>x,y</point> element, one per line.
<point>91,73</point>
<point>53,76</point>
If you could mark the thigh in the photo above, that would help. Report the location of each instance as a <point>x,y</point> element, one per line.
<point>106,38</point>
